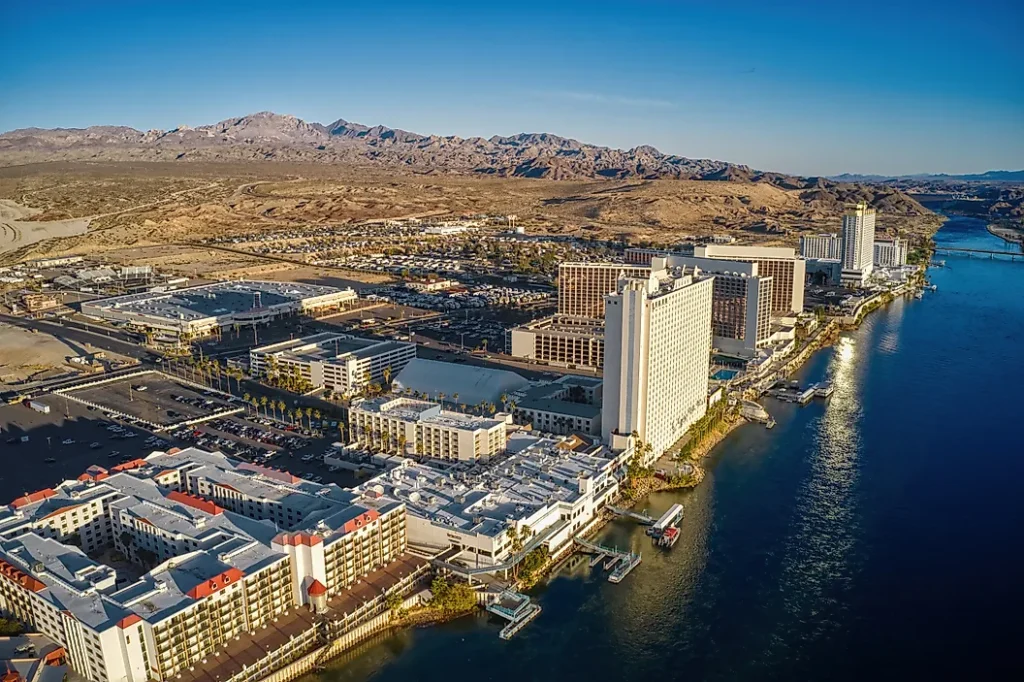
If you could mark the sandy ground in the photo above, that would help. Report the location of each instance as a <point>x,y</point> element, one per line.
<point>15,232</point>
<point>24,354</point>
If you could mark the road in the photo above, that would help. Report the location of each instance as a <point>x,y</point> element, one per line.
<point>112,340</point>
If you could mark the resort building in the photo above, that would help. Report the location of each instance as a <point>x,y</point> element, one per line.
<point>226,553</point>
<point>545,491</point>
<point>339,362</point>
<point>207,309</point>
<point>571,405</point>
<point>786,269</point>
<point>741,305</point>
<point>583,286</point>
<point>822,246</point>
<point>407,426</point>
<point>858,245</point>
<point>890,253</point>
<point>657,358</point>
<point>560,340</point>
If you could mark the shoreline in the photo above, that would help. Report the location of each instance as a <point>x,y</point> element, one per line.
<point>424,616</point>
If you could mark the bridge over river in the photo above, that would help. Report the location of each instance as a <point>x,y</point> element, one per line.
<point>980,253</point>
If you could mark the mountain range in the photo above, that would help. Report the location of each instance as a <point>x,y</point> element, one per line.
<point>987,176</point>
<point>267,136</point>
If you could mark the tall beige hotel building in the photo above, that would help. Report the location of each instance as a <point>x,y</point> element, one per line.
<point>657,355</point>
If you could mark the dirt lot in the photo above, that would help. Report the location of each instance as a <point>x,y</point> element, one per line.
<point>26,356</point>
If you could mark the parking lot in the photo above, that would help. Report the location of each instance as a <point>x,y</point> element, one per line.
<point>61,446</point>
<point>155,398</point>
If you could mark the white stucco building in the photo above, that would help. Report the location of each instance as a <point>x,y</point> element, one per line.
<point>657,356</point>
<point>858,245</point>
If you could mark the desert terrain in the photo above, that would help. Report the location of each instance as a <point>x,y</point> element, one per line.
<point>158,213</point>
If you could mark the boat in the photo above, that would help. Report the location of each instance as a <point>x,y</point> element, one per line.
<point>668,538</point>
<point>770,424</point>
<point>50,460</point>
<point>919,295</point>
<point>935,288</point>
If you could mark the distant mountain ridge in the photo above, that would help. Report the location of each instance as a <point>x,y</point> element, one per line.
<point>987,176</point>
<point>267,136</point>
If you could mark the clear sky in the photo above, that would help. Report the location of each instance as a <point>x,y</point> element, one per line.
<point>901,86</point>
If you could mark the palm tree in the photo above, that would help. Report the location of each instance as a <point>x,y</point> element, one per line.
<point>455,398</point>
<point>441,396</point>
<point>282,406</point>
<point>246,398</point>
<point>309,418</point>
<point>504,399</point>
<point>387,376</point>
<point>319,417</point>
<point>263,401</point>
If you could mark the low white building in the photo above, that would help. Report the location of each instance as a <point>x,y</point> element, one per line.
<point>340,362</point>
<point>407,426</point>
<point>545,492</point>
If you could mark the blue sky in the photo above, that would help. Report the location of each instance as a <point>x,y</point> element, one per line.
<point>814,88</point>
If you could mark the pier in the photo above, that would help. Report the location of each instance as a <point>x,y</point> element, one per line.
<point>620,561</point>
<point>516,608</point>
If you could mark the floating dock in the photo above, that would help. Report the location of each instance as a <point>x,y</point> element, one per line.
<point>619,561</point>
<point>670,518</point>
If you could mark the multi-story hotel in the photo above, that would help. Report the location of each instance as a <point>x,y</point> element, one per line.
<point>890,253</point>
<point>858,245</point>
<point>560,340</point>
<point>402,425</point>
<point>340,362</point>
<point>741,302</point>
<point>822,246</point>
<point>786,269</point>
<point>583,286</point>
<point>226,551</point>
<point>657,357</point>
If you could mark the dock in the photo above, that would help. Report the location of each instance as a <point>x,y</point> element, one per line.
<point>620,562</point>
<point>517,609</point>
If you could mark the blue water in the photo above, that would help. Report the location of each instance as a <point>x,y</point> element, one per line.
<point>878,535</point>
<point>724,374</point>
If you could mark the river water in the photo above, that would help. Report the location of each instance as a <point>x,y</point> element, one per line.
<point>879,534</point>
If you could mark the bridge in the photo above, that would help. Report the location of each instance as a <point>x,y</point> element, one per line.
<point>980,253</point>
<point>642,518</point>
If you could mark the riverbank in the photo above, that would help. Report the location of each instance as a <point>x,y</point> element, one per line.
<point>1012,235</point>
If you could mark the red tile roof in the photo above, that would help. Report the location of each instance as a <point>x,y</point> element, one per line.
<point>129,621</point>
<point>307,539</point>
<point>18,577</point>
<point>316,588</point>
<point>134,464</point>
<point>361,520</point>
<point>216,583</point>
<point>37,496</point>
<point>195,502</point>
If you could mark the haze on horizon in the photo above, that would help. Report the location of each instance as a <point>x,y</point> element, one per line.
<point>892,88</point>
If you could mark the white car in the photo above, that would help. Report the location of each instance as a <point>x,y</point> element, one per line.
<point>68,441</point>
